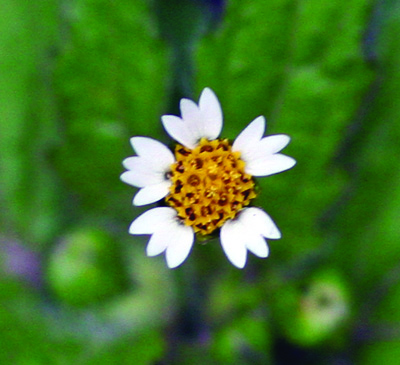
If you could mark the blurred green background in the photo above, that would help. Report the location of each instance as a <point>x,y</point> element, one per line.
<point>80,77</point>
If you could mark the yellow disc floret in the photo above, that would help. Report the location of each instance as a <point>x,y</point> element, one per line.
<point>209,185</point>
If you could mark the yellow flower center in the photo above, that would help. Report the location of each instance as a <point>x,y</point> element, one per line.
<point>209,185</point>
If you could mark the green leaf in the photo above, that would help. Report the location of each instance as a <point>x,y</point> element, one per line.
<point>30,193</point>
<point>369,233</point>
<point>111,79</point>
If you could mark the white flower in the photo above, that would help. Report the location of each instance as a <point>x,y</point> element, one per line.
<point>208,183</point>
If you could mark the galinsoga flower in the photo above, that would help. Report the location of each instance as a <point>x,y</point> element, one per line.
<point>207,183</point>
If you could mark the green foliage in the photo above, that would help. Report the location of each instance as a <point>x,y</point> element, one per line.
<point>383,344</point>
<point>85,267</point>
<point>79,78</point>
<point>49,340</point>
<point>315,311</point>
<point>28,120</point>
<point>370,233</point>
<point>111,83</point>
<point>243,336</point>
<point>308,85</point>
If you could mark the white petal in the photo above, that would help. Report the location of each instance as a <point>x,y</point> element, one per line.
<point>257,244</point>
<point>141,178</point>
<point>257,221</point>
<point>273,144</point>
<point>180,243</point>
<point>260,154</point>
<point>152,193</point>
<point>158,242</point>
<point>211,113</point>
<point>167,234</point>
<point>198,121</point>
<point>179,131</point>
<point>269,165</point>
<point>141,175</point>
<point>130,163</point>
<point>265,148</point>
<point>149,221</point>
<point>156,154</point>
<point>232,238</point>
<point>192,118</point>
<point>250,136</point>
